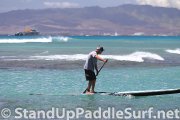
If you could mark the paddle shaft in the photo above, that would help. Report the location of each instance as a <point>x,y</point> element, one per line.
<point>101,68</point>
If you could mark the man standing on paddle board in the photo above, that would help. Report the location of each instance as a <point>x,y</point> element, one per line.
<point>90,65</point>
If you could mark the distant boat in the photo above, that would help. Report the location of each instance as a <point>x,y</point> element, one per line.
<point>29,32</point>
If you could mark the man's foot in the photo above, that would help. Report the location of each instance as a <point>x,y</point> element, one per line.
<point>93,91</point>
<point>89,93</point>
<point>87,90</point>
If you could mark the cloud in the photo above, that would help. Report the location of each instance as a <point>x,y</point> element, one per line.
<point>161,3</point>
<point>61,5</point>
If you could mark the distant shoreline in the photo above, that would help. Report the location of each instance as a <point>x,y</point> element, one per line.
<point>123,20</point>
<point>98,35</point>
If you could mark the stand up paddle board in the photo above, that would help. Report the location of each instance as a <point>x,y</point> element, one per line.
<point>142,93</point>
<point>127,93</point>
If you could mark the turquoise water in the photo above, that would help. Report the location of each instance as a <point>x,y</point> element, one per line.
<point>51,68</point>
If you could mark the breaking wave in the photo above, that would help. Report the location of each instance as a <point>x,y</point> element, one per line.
<point>134,57</point>
<point>176,51</point>
<point>35,40</point>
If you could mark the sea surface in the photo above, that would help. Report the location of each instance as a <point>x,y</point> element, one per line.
<point>38,73</point>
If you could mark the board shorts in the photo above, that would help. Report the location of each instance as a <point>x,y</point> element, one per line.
<point>90,75</point>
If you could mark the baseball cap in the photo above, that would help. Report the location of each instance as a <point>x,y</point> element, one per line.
<point>100,48</point>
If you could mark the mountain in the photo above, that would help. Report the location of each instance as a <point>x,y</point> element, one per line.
<point>124,20</point>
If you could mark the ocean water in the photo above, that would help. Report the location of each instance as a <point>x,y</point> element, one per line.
<point>38,73</point>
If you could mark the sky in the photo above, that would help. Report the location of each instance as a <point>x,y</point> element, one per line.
<point>8,5</point>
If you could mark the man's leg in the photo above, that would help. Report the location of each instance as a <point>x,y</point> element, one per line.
<point>93,86</point>
<point>89,86</point>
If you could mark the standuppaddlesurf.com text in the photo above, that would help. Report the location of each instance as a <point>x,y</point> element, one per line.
<point>108,113</point>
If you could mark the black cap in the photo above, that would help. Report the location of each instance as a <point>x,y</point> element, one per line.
<point>100,48</point>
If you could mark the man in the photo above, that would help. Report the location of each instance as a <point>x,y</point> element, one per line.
<point>90,65</point>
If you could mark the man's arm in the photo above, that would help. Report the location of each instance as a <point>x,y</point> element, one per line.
<point>101,59</point>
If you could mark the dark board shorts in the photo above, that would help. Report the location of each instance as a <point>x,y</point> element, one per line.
<point>90,75</point>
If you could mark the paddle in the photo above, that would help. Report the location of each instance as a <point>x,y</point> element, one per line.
<point>97,73</point>
<point>101,68</point>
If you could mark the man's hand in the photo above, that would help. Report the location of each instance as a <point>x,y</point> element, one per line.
<point>105,60</point>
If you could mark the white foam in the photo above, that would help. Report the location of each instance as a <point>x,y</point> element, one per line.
<point>60,39</point>
<point>176,51</point>
<point>61,57</point>
<point>35,40</point>
<point>136,57</point>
